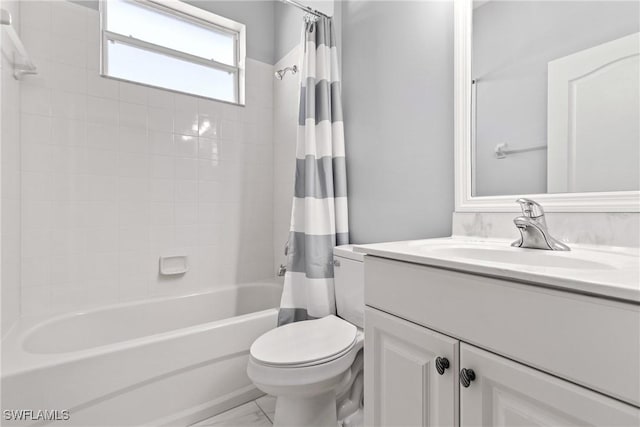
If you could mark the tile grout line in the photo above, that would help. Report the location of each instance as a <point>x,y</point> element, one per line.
<point>263,411</point>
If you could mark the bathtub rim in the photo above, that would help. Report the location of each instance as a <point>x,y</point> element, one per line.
<point>15,359</point>
<point>44,320</point>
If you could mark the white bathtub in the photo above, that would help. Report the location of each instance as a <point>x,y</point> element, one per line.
<point>166,361</point>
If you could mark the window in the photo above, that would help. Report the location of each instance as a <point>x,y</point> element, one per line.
<point>173,45</point>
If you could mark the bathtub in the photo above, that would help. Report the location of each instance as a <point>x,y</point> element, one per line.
<point>166,361</point>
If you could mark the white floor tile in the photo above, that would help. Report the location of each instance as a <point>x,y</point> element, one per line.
<point>268,405</point>
<point>247,415</point>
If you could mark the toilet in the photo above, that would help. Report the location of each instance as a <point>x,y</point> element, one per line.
<point>315,367</point>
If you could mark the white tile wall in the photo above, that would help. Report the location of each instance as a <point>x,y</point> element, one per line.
<point>10,153</point>
<point>285,126</point>
<point>117,174</point>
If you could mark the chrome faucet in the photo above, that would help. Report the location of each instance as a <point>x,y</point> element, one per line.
<point>533,228</point>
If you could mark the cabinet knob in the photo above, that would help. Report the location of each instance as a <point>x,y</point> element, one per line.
<point>442,364</point>
<point>466,376</point>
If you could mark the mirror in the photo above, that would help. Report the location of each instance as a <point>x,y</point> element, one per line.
<point>555,98</point>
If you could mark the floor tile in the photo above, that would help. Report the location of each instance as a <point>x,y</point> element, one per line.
<point>247,415</point>
<point>268,405</point>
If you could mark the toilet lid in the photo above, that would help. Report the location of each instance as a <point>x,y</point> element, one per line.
<point>303,343</point>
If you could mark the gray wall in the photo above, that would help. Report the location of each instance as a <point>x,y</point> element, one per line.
<point>398,115</point>
<point>512,44</point>
<point>288,24</point>
<point>258,16</point>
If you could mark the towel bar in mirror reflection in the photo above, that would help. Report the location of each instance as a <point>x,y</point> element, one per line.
<point>503,150</point>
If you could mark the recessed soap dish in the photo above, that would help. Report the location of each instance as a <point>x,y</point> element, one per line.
<point>173,265</point>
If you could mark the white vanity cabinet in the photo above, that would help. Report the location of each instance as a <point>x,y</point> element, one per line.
<point>506,393</point>
<point>403,386</point>
<point>539,356</point>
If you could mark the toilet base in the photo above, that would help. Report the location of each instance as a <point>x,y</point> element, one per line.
<point>354,420</point>
<point>319,411</point>
<point>342,400</point>
<point>321,395</point>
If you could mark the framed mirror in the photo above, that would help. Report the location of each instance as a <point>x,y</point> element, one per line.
<point>547,98</point>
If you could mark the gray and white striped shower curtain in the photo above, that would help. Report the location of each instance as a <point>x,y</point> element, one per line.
<point>319,219</point>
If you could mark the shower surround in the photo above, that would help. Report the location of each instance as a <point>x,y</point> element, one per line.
<point>114,175</point>
<point>102,177</point>
<point>9,124</point>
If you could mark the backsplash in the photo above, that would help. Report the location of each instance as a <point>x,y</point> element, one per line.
<point>614,229</point>
<point>117,174</point>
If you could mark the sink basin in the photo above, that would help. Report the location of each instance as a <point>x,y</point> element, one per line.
<point>548,259</point>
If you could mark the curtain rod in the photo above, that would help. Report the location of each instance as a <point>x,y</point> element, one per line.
<point>305,8</point>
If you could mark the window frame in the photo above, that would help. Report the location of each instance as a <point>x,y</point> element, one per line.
<point>192,14</point>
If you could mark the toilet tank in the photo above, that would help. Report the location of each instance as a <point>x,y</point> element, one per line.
<point>348,270</point>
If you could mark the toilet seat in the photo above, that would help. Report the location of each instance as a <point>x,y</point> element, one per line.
<point>307,343</point>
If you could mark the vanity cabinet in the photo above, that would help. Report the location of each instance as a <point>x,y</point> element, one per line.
<point>506,393</point>
<point>403,386</point>
<point>518,354</point>
<point>413,379</point>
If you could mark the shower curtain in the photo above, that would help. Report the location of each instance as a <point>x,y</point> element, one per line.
<point>319,212</point>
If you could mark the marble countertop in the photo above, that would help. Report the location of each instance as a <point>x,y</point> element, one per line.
<point>606,271</point>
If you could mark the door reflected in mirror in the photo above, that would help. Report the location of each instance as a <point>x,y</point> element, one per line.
<point>555,97</point>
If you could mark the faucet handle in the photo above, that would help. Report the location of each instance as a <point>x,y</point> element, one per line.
<point>530,208</point>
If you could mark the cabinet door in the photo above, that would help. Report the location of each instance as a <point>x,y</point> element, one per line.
<point>402,384</point>
<point>506,393</point>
